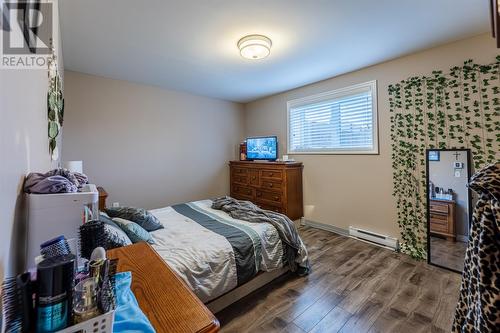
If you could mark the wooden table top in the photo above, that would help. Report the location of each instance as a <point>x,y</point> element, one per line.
<point>162,295</point>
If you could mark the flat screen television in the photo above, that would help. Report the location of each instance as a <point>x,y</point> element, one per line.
<point>262,148</point>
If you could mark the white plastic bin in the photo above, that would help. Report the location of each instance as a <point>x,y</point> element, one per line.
<point>51,215</point>
<point>100,324</point>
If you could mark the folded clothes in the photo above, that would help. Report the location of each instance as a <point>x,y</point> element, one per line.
<point>54,181</point>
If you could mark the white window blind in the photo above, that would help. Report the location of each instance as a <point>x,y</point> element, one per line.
<point>337,122</point>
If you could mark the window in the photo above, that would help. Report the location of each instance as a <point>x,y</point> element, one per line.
<point>342,121</point>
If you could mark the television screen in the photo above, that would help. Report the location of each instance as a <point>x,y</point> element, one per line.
<point>263,148</point>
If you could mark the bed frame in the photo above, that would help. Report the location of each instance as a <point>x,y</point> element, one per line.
<point>238,293</point>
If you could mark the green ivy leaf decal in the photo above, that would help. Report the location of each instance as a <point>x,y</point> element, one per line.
<point>458,109</point>
<point>53,130</point>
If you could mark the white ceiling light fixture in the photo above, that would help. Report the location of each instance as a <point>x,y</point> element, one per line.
<point>254,46</point>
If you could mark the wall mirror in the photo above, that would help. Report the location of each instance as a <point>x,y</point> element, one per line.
<point>449,207</point>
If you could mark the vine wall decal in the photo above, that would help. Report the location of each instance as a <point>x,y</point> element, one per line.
<point>458,109</point>
<point>55,105</point>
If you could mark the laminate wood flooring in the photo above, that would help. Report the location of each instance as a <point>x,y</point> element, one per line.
<point>448,253</point>
<point>353,287</point>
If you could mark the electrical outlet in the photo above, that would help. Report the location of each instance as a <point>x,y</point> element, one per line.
<point>116,204</point>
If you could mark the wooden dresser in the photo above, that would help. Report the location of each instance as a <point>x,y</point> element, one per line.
<point>169,304</point>
<point>103,195</point>
<point>275,186</point>
<point>442,218</point>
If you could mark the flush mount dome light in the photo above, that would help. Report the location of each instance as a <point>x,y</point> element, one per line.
<point>254,46</point>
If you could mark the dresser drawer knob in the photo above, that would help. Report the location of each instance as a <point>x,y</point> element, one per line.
<point>270,184</point>
<point>276,198</point>
<point>254,177</point>
<point>271,174</point>
<point>259,194</point>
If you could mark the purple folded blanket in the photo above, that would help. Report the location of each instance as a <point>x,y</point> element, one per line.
<point>54,181</point>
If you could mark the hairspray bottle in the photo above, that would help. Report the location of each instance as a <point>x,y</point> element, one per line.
<point>54,296</point>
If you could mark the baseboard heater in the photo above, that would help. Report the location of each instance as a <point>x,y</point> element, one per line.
<point>374,238</point>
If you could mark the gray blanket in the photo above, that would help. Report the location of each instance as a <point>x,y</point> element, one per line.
<point>295,250</point>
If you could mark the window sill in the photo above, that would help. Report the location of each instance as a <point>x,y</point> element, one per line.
<point>336,153</point>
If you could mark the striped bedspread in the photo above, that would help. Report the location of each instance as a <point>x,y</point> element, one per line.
<point>213,252</point>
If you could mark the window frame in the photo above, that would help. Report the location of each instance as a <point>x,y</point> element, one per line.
<point>332,94</point>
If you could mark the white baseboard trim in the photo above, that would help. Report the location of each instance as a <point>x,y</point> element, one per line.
<point>327,227</point>
<point>345,232</point>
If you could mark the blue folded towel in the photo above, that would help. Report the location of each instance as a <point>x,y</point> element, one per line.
<point>128,314</point>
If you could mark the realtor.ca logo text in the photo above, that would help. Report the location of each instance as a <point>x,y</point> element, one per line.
<point>26,34</point>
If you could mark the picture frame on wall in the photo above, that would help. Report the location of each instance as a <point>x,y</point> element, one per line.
<point>434,155</point>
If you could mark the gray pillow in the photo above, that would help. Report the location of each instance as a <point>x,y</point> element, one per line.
<point>114,235</point>
<point>134,231</point>
<point>138,215</point>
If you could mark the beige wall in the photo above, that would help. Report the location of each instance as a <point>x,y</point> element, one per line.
<point>357,190</point>
<point>24,148</point>
<point>149,147</point>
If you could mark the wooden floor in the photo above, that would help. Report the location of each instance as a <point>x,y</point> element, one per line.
<point>448,253</point>
<point>353,287</point>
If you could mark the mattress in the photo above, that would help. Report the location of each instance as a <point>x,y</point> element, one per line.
<point>212,252</point>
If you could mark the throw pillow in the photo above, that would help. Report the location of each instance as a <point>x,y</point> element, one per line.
<point>135,232</point>
<point>138,215</point>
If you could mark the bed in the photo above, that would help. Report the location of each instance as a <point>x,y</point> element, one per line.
<point>220,258</point>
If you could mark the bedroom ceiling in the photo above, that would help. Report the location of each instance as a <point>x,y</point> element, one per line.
<point>190,45</point>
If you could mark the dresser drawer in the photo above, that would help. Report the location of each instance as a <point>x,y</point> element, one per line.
<point>438,227</point>
<point>439,222</point>
<point>272,174</point>
<point>240,179</point>
<point>439,218</point>
<point>242,190</point>
<point>268,196</point>
<point>272,185</point>
<point>271,208</point>
<point>439,207</point>
<point>240,171</point>
<point>253,177</point>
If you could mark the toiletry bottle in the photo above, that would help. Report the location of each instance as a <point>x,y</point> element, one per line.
<point>54,296</point>
<point>85,300</point>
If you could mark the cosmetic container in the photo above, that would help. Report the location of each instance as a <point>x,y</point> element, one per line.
<point>85,300</point>
<point>54,296</point>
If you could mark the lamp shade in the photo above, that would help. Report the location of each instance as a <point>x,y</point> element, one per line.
<point>73,166</point>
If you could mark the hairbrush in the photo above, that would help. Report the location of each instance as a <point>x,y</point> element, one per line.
<point>107,297</point>
<point>17,303</point>
<point>11,306</point>
<point>91,236</point>
<point>55,247</point>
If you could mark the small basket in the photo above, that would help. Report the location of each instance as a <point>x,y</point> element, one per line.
<point>99,324</point>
